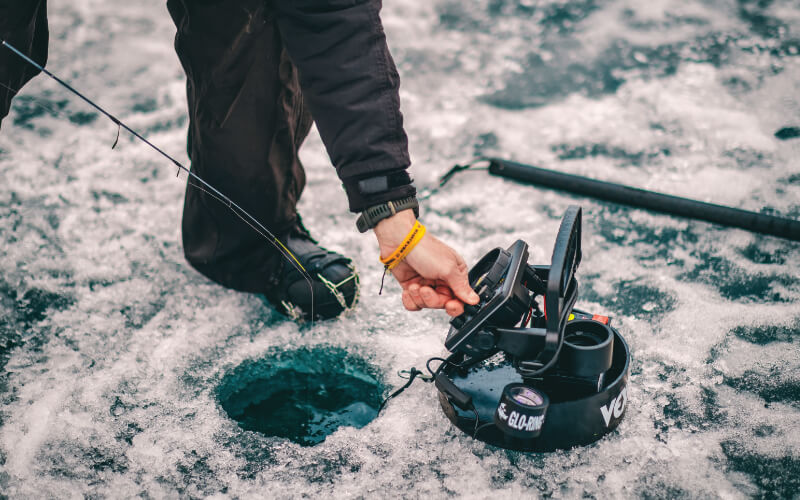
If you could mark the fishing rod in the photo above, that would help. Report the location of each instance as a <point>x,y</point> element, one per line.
<point>781,227</point>
<point>204,186</point>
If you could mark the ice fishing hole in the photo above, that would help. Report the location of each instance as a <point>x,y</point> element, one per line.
<point>302,395</point>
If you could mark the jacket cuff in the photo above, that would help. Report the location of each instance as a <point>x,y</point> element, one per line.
<point>366,192</point>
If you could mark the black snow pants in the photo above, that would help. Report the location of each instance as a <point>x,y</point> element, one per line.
<point>246,123</point>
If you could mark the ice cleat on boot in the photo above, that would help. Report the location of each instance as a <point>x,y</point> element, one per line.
<point>334,283</point>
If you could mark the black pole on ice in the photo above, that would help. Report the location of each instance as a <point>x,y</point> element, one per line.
<point>626,195</point>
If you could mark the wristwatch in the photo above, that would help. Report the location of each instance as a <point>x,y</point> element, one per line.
<point>370,217</point>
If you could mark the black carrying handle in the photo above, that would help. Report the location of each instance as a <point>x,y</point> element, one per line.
<point>563,264</point>
<point>561,285</point>
<point>627,195</point>
<point>559,299</point>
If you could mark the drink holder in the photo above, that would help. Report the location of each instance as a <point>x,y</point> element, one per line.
<point>588,348</point>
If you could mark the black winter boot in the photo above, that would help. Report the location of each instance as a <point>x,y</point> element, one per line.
<point>334,282</point>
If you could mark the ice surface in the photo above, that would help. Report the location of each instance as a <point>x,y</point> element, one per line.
<point>112,349</point>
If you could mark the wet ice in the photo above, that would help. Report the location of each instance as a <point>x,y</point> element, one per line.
<point>113,350</point>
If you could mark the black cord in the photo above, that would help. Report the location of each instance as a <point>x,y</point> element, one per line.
<point>439,369</point>
<point>445,362</point>
<point>480,428</point>
<point>477,420</point>
<point>412,375</point>
<point>426,193</point>
<point>460,168</point>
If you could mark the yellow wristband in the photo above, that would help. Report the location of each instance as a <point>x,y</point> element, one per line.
<point>401,252</point>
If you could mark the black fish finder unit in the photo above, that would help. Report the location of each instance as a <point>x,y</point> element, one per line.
<point>527,371</point>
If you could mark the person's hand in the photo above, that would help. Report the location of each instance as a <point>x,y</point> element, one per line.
<point>433,275</point>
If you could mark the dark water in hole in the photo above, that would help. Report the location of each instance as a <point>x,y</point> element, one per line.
<point>302,395</point>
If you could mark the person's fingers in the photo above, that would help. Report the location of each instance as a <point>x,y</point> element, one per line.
<point>413,292</point>
<point>408,302</point>
<point>454,307</point>
<point>444,290</point>
<point>458,281</point>
<point>426,282</point>
<point>432,299</point>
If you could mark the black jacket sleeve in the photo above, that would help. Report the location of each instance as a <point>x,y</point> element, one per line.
<point>351,86</point>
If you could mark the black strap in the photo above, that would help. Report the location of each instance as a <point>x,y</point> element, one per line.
<point>370,217</point>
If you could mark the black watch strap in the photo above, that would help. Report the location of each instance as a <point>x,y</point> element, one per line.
<point>370,217</point>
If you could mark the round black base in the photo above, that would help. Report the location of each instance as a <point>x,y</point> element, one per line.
<point>578,415</point>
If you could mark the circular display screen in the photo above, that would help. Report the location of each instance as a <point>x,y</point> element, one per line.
<point>526,396</point>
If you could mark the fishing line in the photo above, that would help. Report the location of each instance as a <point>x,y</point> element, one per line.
<point>39,102</point>
<point>202,186</point>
